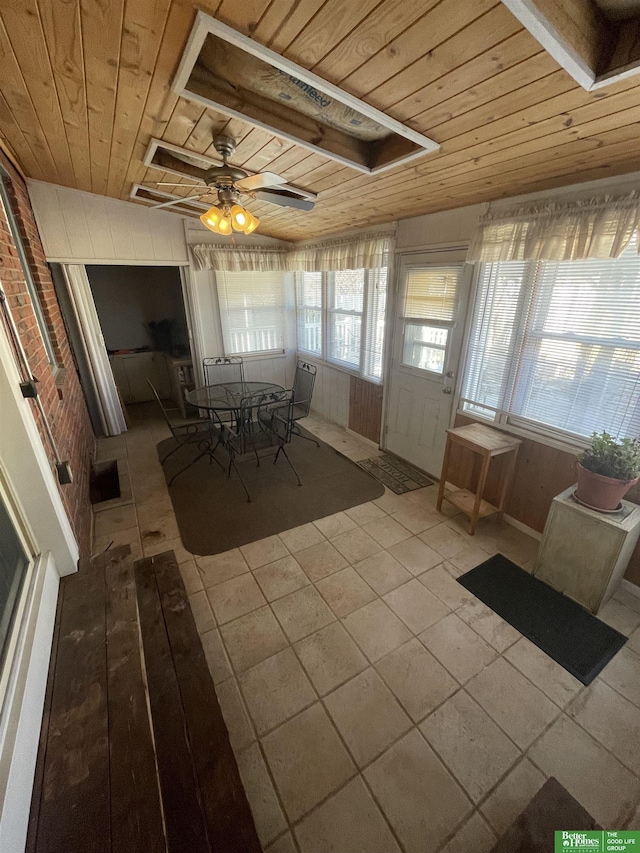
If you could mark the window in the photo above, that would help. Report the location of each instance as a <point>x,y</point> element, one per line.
<point>252,311</point>
<point>430,304</point>
<point>7,209</point>
<point>341,317</point>
<point>14,562</point>
<point>556,345</point>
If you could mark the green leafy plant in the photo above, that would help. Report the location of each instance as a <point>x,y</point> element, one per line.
<point>611,457</point>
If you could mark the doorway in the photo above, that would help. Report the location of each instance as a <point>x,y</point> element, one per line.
<point>433,293</point>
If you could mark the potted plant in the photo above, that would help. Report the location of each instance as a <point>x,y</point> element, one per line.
<point>607,470</point>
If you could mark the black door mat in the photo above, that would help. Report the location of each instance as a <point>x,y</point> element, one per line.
<point>395,473</point>
<point>575,639</point>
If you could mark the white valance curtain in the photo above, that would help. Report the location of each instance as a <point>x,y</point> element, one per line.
<point>365,251</point>
<point>591,228</point>
<point>212,256</point>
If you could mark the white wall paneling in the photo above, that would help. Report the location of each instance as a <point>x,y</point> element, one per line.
<point>331,391</point>
<point>77,226</point>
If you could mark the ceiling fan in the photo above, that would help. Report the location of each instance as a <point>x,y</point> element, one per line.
<point>230,183</point>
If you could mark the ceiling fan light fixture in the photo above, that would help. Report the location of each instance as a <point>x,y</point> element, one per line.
<point>212,218</point>
<point>240,217</point>
<point>252,224</point>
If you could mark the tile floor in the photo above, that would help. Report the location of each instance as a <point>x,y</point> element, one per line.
<point>375,705</point>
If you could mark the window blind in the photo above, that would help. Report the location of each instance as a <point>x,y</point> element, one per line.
<point>374,323</point>
<point>557,345</point>
<point>252,308</point>
<point>346,301</point>
<point>432,292</point>
<point>309,311</point>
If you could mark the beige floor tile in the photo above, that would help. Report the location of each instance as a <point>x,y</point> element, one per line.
<point>175,545</point>
<point>235,715</point>
<point>265,808</point>
<point>130,536</point>
<point>364,513</point>
<point>349,822</point>
<point>284,844</point>
<point>234,598</point>
<point>149,491</point>
<point>448,590</point>
<point>605,788</point>
<point>263,551</point>
<point>330,657</point>
<point>611,720</point>
<point>307,760</point>
<point>253,638</point>
<point>417,518</point>
<point>382,572</point>
<point>149,512</point>
<point>280,578</point>
<point>320,560</point>
<point>386,531</point>
<point>356,545</point>
<point>111,521</point>
<point>275,689</point>
<point>474,836</point>
<point>445,539</point>
<point>620,617</point>
<point>489,625</point>
<point>512,796</point>
<point>454,571</point>
<point>417,679</point>
<point>554,680</point>
<point>518,707</point>
<point>218,568</point>
<point>416,606</point>
<point>421,800</point>
<point>302,612</point>
<point>623,674</point>
<point>216,656</point>
<point>191,577</point>
<point>390,502</point>
<point>345,591</point>
<point>367,715</point>
<point>161,528</point>
<point>470,744</point>
<point>415,555</point>
<point>469,558</point>
<point>628,598</point>
<point>202,613</point>
<point>376,629</point>
<point>633,642</point>
<point>333,525</point>
<point>458,648</point>
<point>301,537</point>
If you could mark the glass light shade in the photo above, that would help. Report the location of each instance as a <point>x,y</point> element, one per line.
<point>239,217</point>
<point>224,226</point>
<point>212,218</point>
<point>252,223</point>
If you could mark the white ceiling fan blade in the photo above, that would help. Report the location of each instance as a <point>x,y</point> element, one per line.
<point>181,200</point>
<point>257,182</point>
<point>285,199</point>
<point>167,184</point>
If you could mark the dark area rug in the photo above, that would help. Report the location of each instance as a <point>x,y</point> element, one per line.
<point>214,515</point>
<point>575,639</point>
<point>395,474</point>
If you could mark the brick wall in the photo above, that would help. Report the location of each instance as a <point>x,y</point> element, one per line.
<point>60,393</point>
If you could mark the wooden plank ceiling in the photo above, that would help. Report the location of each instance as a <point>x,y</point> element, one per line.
<point>86,84</point>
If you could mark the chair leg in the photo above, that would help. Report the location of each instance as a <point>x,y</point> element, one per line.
<point>286,456</point>
<point>295,430</point>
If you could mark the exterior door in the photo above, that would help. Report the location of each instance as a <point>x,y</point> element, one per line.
<point>433,291</point>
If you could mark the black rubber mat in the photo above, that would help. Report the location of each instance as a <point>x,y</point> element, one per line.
<point>575,639</point>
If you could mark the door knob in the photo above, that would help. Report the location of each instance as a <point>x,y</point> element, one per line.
<point>446,389</point>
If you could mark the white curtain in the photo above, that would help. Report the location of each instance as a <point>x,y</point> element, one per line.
<point>95,351</point>
<point>365,251</point>
<point>213,256</point>
<point>592,228</point>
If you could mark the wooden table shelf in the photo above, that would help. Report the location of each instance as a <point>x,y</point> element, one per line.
<point>487,443</point>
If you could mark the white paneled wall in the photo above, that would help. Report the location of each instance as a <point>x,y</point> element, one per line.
<point>81,227</point>
<point>331,392</point>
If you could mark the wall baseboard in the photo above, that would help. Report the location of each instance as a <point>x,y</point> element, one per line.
<point>362,438</point>
<point>630,587</point>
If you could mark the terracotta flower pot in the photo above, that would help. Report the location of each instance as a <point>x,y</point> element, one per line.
<point>601,492</point>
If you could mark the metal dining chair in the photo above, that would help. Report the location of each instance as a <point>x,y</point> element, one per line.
<point>303,384</point>
<point>196,432</point>
<point>263,428</point>
<point>223,368</point>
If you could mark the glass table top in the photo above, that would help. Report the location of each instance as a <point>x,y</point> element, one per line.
<point>227,395</point>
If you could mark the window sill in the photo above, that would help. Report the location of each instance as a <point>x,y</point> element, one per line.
<point>315,359</point>
<point>566,446</point>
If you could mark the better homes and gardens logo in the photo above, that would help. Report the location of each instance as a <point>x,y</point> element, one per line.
<point>598,841</point>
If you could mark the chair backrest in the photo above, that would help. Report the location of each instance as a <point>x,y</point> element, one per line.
<point>303,383</point>
<point>162,408</point>
<point>272,412</point>
<point>221,369</point>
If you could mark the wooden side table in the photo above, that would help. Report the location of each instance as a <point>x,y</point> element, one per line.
<point>487,443</point>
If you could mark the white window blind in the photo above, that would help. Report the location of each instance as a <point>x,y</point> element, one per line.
<point>375,323</point>
<point>346,303</point>
<point>252,308</point>
<point>309,316</point>
<point>557,345</point>
<point>430,305</point>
